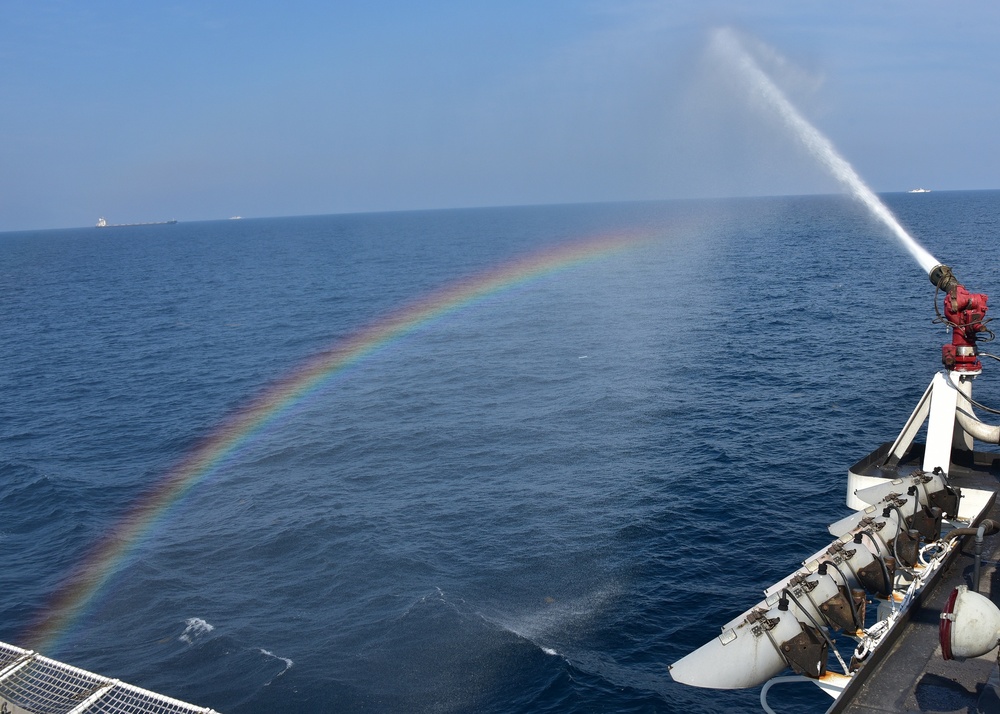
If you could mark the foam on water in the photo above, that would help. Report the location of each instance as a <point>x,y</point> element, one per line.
<point>288,664</point>
<point>194,628</point>
<point>726,44</point>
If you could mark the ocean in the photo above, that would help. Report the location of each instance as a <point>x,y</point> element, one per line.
<point>483,460</point>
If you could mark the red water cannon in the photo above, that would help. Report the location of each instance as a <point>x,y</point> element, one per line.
<point>965,314</point>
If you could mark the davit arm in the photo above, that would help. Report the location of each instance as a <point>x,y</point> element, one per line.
<point>976,429</point>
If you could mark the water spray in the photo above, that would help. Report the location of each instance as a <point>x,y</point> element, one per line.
<point>788,628</point>
<point>964,312</point>
<point>726,43</point>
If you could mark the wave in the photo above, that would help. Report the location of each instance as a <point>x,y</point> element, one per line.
<point>195,629</point>
<point>288,664</point>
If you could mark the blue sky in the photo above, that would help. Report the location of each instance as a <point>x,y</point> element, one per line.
<point>206,109</point>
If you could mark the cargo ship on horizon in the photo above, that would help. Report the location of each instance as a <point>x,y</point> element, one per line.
<point>103,223</point>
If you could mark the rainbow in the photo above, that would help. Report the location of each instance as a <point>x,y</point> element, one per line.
<point>80,588</point>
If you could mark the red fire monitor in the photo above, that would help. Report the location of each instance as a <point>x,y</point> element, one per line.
<point>965,313</point>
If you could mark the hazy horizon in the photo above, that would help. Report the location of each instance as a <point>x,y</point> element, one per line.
<point>195,112</point>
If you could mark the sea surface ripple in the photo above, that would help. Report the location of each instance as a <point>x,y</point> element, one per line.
<point>532,504</point>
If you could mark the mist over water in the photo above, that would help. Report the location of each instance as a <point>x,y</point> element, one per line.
<point>726,44</point>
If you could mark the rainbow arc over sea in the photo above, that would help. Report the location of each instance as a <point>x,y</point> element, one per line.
<point>81,588</point>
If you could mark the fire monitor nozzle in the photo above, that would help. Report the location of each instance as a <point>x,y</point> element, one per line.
<point>943,278</point>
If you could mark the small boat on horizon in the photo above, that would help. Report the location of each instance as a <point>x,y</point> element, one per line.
<point>919,190</point>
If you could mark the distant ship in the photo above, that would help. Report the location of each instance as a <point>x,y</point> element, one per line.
<point>103,223</point>
<point>919,190</point>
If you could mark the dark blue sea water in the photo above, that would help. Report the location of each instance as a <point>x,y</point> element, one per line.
<point>532,504</point>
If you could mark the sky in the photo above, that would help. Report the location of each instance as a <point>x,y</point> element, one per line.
<point>206,109</point>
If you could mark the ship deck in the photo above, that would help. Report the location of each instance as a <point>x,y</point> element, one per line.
<point>909,674</point>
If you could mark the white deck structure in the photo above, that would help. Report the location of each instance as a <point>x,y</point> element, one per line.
<point>33,684</point>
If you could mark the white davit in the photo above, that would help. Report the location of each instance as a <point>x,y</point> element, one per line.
<point>32,684</point>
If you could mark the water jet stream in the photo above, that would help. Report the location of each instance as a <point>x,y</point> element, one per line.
<point>726,44</point>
